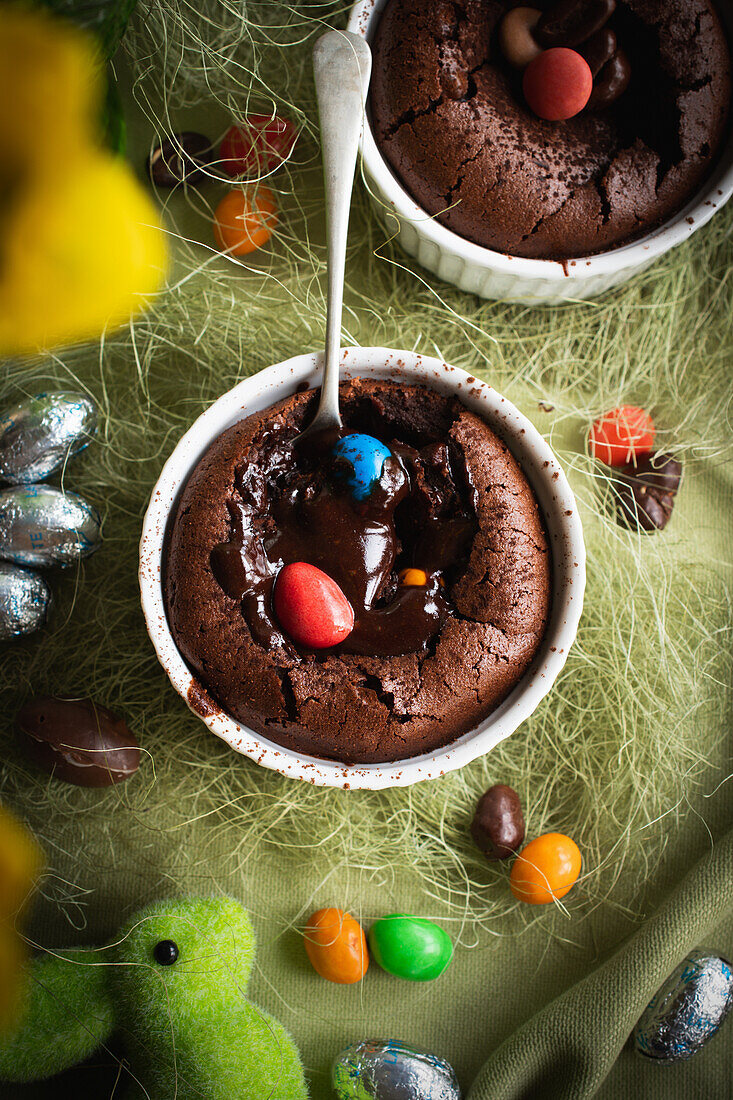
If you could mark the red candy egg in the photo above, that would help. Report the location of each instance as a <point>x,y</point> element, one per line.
<point>257,145</point>
<point>557,84</point>
<point>311,607</point>
<point>622,434</point>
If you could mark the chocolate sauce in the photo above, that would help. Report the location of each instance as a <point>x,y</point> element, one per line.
<point>301,511</point>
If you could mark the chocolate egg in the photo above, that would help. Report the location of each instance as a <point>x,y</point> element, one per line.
<point>359,462</point>
<point>387,1069</point>
<point>410,947</point>
<point>41,525</point>
<point>181,158</point>
<point>687,1010</point>
<point>78,740</point>
<point>498,824</point>
<point>40,434</point>
<point>24,601</point>
<point>311,607</point>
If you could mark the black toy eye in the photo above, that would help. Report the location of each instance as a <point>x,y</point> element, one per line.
<point>166,952</point>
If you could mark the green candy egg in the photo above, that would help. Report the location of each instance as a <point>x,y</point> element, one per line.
<point>410,947</point>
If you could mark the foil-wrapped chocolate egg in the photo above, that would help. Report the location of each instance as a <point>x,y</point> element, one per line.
<point>41,525</point>
<point>687,1010</point>
<point>387,1069</point>
<point>38,435</point>
<point>25,599</point>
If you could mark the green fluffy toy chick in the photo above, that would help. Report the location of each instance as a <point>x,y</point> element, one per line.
<point>174,986</point>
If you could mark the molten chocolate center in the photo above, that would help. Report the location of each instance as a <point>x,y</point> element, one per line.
<point>300,511</point>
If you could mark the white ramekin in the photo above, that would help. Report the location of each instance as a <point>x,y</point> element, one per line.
<point>512,278</point>
<point>540,466</point>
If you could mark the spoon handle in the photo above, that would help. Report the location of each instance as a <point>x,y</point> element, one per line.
<point>342,64</point>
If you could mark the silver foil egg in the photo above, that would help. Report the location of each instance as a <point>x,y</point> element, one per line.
<point>38,435</point>
<point>687,1010</point>
<point>41,525</point>
<point>24,601</point>
<point>387,1069</point>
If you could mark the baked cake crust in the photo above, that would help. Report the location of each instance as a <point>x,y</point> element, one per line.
<point>368,708</point>
<point>449,116</point>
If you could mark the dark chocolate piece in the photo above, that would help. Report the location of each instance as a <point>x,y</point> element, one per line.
<point>498,824</point>
<point>644,492</point>
<point>612,82</point>
<point>78,741</point>
<point>180,159</point>
<point>570,22</point>
<point>599,49</point>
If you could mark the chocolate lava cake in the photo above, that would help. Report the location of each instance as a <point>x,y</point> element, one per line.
<point>449,115</point>
<point>424,663</point>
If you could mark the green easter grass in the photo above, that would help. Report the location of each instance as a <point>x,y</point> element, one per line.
<point>631,735</point>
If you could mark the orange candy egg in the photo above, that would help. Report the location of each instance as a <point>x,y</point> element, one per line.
<point>546,869</point>
<point>413,578</point>
<point>244,221</point>
<point>336,946</point>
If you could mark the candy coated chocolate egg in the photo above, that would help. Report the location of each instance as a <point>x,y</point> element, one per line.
<point>360,459</point>
<point>517,42</point>
<point>41,525</point>
<point>621,435</point>
<point>311,607</point>
<point>687,1010</point>
<point>498,824</point>
<point>243,222</point>
<point>257,144</point>
<point>387,1069</point>
<point>78,740</point>
<point>181,158</point>
<point>336,946</point>
<point>557,84</point>
<point>410,947</point>
<point>546,869</point>
<point>413,578</point>
<point>40,434</point>
<point>24,601</point>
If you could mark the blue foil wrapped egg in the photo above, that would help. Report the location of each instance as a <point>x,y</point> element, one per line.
<point>687,1010</point>
<point>24,601</point>
<point>44,526</point>
<point>360,461</point>
<point>387,1069</point>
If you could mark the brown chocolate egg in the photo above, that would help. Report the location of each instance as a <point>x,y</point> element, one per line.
<point>498,824</point>
<point>78,741</point>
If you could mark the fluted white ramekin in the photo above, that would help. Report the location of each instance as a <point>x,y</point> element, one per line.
<point>513,278</point>
<point>543,471</point>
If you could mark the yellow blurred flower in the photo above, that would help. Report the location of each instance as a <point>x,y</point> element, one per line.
<point>20,864</point>
<point>81,244</point>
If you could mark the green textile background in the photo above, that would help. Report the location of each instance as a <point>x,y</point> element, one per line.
<point>110,851</point>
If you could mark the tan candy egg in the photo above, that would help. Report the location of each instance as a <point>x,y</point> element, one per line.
<point>515,36</point>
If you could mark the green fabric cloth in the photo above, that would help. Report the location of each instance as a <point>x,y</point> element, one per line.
<point>567,1050</point>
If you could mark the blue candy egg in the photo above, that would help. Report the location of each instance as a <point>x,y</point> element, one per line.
<point>366,456</point>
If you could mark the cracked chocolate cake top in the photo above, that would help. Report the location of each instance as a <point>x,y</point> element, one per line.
<point>449,115</point>
<point>427,659</point>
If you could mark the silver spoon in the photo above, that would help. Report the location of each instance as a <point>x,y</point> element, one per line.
<point>342,63</point>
